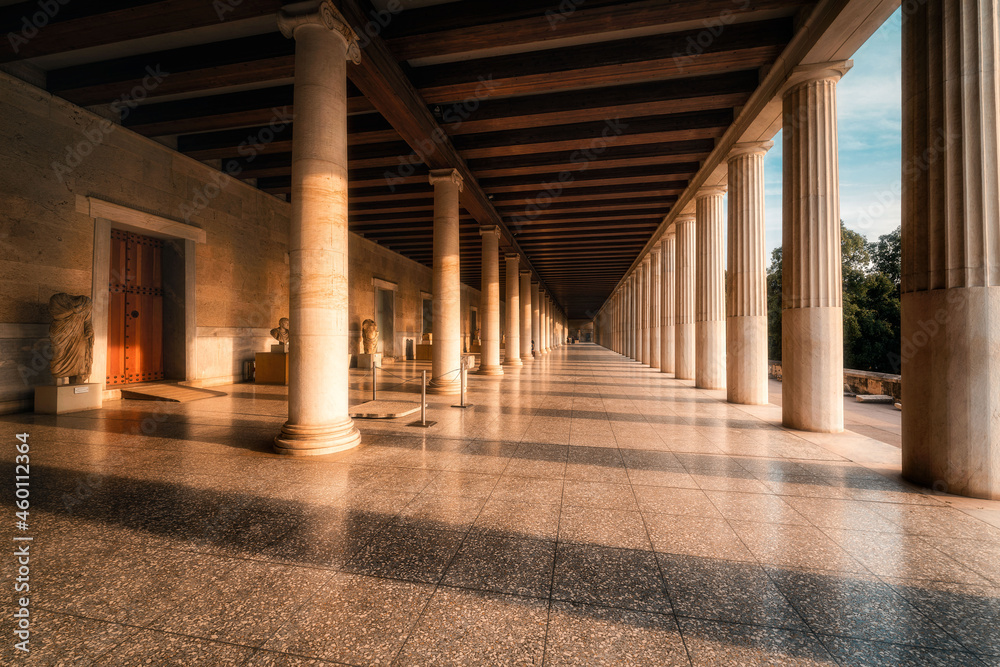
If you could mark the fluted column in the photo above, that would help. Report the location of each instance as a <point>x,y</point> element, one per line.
<point>645,301</point>
<point>667,301</point>
<point>447,326</point>
<point>512,349</point>
<point>527,310</point>
<point>684,328</point>
<point>951,247</point>
<point>318,420</point>
<point>536,322</point>
<point>546,323</point>
<point>655,298</point>
<point>746,296</point>
<point>812,322</point>
<point>489,303</point>
<point>710,296</point>
<point>542,320</point>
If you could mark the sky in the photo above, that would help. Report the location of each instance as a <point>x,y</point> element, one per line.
<point>869,127</point>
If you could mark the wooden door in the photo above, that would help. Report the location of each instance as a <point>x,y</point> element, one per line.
<point>135,311</point>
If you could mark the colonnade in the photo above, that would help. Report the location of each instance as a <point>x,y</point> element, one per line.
<point>699,294</point>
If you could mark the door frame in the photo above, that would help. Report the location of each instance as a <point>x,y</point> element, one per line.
<point>107,215</point>
<point>387,286</point>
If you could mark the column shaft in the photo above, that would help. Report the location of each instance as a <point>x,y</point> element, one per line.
<point>951,247</point>
<point>526,314</point>
<point>710,323</point>
<point>318,420</point>
<point>536,322</point>
<point>812,330</point>
<point>512,347</point>
<point>668,299</point>
<point>447,326</point>
<point>489,303</point>
<point>655,297</point>
<point>746,298</point>
<point>684,330</point>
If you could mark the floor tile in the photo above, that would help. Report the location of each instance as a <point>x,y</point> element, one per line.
<point>410,554</point>
<point>695,536</point>
<point>462,627</point>
<point>712,644</point>
<point>353,619</point>
<point>148,647</point>
<point>513,519</point>
<point>610,577</point>
<point>604,527</point>
<point>503,565</point>
<point>580,634</point>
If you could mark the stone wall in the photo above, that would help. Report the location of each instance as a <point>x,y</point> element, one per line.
<point>857,382</point>
<point>56,154</point>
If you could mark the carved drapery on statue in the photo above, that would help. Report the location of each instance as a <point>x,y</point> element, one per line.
<point>369,336</point>
<point>280,333</point>
<point>72,336</point>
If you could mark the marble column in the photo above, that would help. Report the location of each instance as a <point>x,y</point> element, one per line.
<point>536,322</point>
<point>527,310</point>
<point>318,420</point>
<point>684,277</point>
<point>489,303</point>
<point>710,294</point>
<point>746,294</point>
<point>447,326</point>
<point>655,297</point>
<point>668,298</point>
<point>950,351</point>
<point>644,300</point>
<point>544,331</point>
<point>512,349</point>
<point>812,322</point>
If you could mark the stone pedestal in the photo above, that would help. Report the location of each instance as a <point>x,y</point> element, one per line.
<point>746,298</point>
<point>951,248</point>
<point>684,330</point>
<point>364,361</point>
<point>489,305</point>
<point>318,420</point>
<point>447,288</point>
<point>270,368</point>
<point>512,347</point>
<point>58,400</point>
<point>710,298</point>
<point>812,322</point>
<point>668,299</point>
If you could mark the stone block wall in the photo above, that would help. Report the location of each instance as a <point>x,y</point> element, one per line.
<point>54,153</point>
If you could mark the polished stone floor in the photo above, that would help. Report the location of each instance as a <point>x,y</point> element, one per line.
<point>586,510</point>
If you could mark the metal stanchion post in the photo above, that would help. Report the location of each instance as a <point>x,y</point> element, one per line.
<point>423,423</point>
<point>462,403</point>
<point>374,380</point>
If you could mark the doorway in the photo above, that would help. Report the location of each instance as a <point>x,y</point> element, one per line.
<point>135,309</point>
<point>385,320</point>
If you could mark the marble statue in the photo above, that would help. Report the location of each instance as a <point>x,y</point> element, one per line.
<point>72,336</point>
<point>369,336</point>
<point>280,334</point>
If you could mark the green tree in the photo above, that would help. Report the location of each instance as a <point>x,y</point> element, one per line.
<point>870,273</point>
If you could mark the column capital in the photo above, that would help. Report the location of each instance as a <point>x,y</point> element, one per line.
<point>512,255</point>
<point>646,260</point>
<point>524,272</point>
<point>489,229</point>
<point>655,250</point>
<point>710,191</point>
<point>806,74</point>
<point>750,148</point>
<point>445,175</point>
<point>320,13</point>
<point>684,218</point>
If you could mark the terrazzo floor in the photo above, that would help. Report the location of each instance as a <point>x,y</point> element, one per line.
<point>586,510</point>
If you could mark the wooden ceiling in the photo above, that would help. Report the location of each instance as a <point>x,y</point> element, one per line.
<point>577,123</point>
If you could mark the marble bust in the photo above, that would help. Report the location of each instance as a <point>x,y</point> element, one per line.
<point>280,333</point>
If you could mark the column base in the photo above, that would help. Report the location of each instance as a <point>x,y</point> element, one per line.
<point>950,356</point>
<point>526,357</point>
<point>444,387</point>
<point>812,369</point>
<point>493,371</point>
<point>297,440</point>
<point>746,360</point>
<point>513,363</point>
